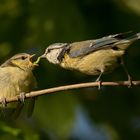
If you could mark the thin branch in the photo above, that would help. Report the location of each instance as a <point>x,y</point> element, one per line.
<point>69,87</point>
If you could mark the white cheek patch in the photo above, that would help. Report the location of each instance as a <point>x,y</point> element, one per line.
<point>53,55</point>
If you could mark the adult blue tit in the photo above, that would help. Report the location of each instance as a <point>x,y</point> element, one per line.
<point>92,57</point>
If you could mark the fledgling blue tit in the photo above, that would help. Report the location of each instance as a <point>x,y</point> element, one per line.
<point>92,57</point>
<point>16,77</point>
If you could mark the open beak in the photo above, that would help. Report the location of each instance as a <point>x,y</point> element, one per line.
<point>31,56</point>
<point>31,60</point>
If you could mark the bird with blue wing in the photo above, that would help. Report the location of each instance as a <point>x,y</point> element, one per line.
<point>92,57</point>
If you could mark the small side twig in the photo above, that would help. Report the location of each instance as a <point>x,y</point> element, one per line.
<point>69,87</point>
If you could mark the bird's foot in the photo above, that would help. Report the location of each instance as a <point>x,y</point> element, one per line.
<point>130,81</point>
<point>3,102</point>
<point>21,97</point>
<point>99,84</point>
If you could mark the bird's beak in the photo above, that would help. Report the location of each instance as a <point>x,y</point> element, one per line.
<point>43,56</point>
<point>31,60</point>
<point>32,55</point>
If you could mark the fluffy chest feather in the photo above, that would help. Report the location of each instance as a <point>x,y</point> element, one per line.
<point>13,81</point>
<point>94,63</point>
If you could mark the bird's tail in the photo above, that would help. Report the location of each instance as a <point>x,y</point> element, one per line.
<point>134,37</point>
<point>124,43</point>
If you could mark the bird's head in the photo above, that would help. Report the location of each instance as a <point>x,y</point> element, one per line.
<point>54,52</point>
<point>22,60</point>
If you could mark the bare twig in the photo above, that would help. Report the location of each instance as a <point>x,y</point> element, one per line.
<point>74,86</point>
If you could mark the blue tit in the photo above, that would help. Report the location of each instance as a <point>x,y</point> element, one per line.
<point>92,57</point>
<point>16,77</point>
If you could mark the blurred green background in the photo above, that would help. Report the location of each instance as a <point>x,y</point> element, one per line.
<point>113,113</point>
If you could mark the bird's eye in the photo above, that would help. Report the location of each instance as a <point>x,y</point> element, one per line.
<point>23,57</point>
<point>115,48</point>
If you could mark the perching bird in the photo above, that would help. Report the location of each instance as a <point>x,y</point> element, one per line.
<point>16,78</point>
<point>92,57</point>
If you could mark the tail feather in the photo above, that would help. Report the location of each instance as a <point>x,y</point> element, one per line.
<point>134,37</point>
<point>124,43</point>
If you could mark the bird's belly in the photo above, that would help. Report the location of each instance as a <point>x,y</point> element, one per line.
<point>11,86</point>
<point>92,64</point>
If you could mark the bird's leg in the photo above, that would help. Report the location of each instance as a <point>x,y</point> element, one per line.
<point>3,102</point>
<point>128,75</point>
<point>99,81</point>
<point>21,97</point>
